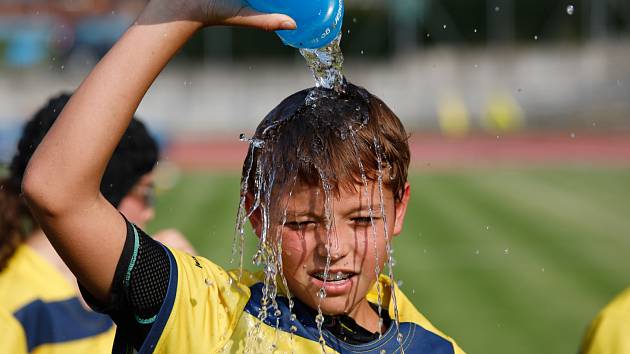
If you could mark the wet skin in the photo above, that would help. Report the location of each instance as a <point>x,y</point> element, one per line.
<point>356,245</point>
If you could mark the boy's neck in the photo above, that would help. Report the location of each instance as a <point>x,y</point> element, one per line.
<point>346,328</point>
<point>366,317</point>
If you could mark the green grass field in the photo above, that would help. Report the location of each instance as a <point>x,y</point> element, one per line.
<point>503,260</point>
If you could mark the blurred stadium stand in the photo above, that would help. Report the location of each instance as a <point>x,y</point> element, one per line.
<point>457,66</point>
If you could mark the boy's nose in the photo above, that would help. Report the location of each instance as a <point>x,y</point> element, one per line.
<point>333,246</point>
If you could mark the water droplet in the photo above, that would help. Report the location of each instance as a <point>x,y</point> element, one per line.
<point>570,9</point>
<point>400,283</point>
<point>444,26</point>
<point>63,67</point>
<point>506,251</point>
<point>399,337</point>
<point>536,37</point>
<point>354,20</point>
<point>477,252</point>
<point>542,270</point>
<point>361,51</point>
<point>413,291</point>
<point>277,313</point>
<point>293,317</point>
<point>475,30</point>
<point>572,135</point>
<point>497,9</point>
<point>428,35</point>
<point>488,226</point>
<point>383,351</point>
<point>321,293</point>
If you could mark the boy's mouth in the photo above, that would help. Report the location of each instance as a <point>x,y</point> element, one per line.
<point>333,276</point>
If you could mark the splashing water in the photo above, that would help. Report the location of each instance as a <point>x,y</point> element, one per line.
<point>326,63</point>
<point>377,269</point>
<point>389,248</point>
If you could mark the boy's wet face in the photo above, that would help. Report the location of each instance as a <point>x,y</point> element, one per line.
<point>356,245</point>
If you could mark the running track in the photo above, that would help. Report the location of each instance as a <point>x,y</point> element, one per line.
<point>434,151</point>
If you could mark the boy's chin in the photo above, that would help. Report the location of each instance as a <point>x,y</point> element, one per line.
<point>334,306</point>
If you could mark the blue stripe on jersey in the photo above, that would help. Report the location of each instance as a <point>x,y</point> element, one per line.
<point>59,322</point>
<point>416,339</point>
<point>304,324</point>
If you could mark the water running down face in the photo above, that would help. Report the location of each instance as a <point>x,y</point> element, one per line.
<point>324,185</point>
<point>357,226</point>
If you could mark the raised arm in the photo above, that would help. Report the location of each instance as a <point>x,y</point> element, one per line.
<point>62,180</point>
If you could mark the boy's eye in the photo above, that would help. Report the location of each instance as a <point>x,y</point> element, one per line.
<point>364,220</point>
<point>299,225</point>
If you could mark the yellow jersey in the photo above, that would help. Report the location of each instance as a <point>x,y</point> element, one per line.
<point>41,313</point>
<point>210,310</point>
<point>610,331</point>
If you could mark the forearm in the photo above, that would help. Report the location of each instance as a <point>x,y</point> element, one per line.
<point>79,145</point>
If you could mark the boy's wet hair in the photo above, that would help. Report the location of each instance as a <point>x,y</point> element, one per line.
<point>322,138</point>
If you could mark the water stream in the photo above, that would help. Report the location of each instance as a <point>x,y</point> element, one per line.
<point>326,64</point>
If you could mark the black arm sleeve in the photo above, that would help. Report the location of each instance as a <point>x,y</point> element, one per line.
<point>139,286</point>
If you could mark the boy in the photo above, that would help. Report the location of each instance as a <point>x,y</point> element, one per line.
<point>309,199</point>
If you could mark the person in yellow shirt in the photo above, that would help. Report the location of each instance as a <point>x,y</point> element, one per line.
<point>40,306</point>
<point>609,333</point>
<point>324,186</point>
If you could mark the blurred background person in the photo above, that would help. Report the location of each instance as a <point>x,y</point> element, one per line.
<point>40,304</point>
<point>609,332</point>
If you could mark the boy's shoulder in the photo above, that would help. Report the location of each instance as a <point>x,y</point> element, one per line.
<point>211,274</point>
<point>417,331</point>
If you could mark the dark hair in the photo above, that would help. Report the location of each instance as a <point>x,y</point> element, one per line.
<point>135,156</point>
<point>316,136</point>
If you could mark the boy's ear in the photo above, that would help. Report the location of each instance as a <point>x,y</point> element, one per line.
<point>255,217</point>
<point>401,209</point>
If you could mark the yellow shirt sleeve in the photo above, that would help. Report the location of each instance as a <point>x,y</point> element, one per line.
<point>202,299</point>
<point>610,331</point>
<point>12,335</point>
